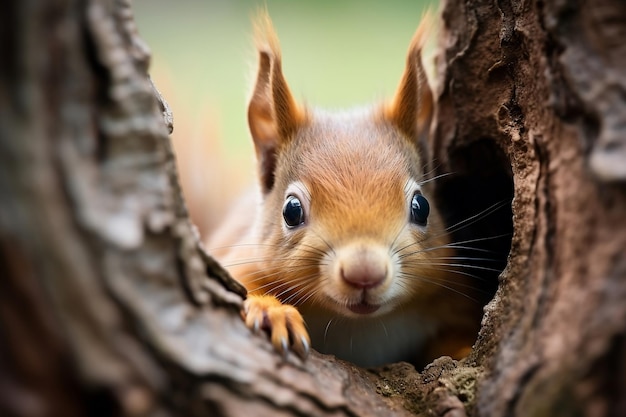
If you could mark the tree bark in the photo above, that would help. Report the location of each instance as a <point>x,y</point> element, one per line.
<point>110,306</point>
<point>544,83</point>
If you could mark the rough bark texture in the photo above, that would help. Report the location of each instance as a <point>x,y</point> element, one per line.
<point>109,306</point>
<point>544,83</point>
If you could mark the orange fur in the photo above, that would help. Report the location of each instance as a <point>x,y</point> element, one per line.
<point>364,277</point>
<point>413,96</point>
<point>273,114</point>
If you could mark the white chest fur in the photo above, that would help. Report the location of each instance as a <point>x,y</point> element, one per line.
<point>369,341</point>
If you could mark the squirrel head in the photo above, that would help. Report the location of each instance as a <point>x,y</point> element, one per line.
<point>345,208</point>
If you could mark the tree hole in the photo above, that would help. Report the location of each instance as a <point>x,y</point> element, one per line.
<point>475,202</point>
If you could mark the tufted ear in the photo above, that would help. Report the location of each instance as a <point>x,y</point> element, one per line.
<point>412,106</point>
<point>273,114</point>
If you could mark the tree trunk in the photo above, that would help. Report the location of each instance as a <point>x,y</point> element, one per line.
<point>110,306</point>
<point>544,83</point>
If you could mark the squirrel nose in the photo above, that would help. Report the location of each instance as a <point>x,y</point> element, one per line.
<point>363,268</point>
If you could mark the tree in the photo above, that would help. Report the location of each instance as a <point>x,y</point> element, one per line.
<point>109,305</point>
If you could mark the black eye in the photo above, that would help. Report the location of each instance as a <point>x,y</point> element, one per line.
<point>293,213</point>
<point>419,209</point>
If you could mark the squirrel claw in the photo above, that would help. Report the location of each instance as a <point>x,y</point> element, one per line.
<point>282,322</point>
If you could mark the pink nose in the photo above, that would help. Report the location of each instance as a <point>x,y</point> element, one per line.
<point>363,269</point>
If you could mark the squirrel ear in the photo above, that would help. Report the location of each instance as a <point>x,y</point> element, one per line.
<point>273,115</point>
<point>412,106</point>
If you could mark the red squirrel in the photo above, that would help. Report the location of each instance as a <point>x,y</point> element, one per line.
<point>343,233</point>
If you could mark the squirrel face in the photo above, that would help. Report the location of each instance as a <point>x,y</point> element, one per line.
<point>347,219</point>
<point>344,215</point>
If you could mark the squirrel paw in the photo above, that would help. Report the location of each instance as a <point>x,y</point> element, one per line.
<point>283,322</point>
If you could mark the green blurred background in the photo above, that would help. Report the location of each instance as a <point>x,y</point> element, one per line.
<point>336,54</point>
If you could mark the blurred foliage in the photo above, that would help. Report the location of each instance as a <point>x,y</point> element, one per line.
<point>336,53</point>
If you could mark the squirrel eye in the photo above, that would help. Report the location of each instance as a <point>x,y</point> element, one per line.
<point>293,213</point>
<point>419,209</point>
